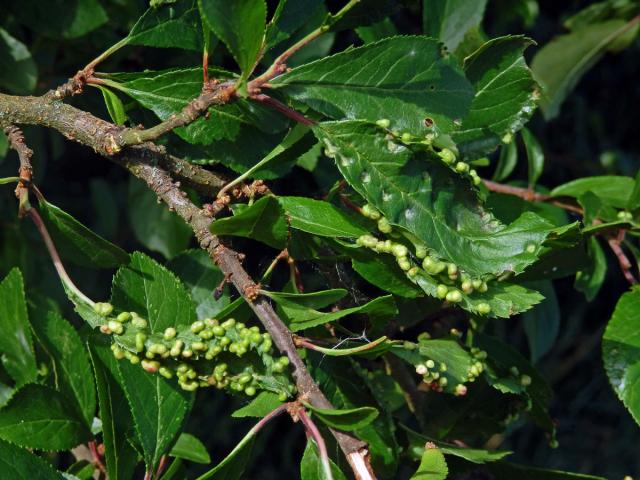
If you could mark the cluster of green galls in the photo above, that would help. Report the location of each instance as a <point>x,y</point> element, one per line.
<point>452,281</point>
<point>207,353</point>
<point>447,155</point>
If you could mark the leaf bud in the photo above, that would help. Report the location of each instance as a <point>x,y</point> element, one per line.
<point>384,226</point>
<point>228,324</point>
<point>421,369</point>
<point>461,390</point>
<point>197,326</point>
<point>404,263</point>
<point>189,386</point>
<point>525,380</point>
<point>118,353</point>
<point>115,327</point>
<point>206,334</point>
<point>452,270</point>
<point>484,308</point>
<point>447,156</point>
<point>103,308</point>
<point>454,296</point>
<point>138,322</point>
<point>442,291</point>
<point>176,348</point>
<point>462,167</point>
<point>140,338</point>
<point>150,366</point>
<point>399,250</point>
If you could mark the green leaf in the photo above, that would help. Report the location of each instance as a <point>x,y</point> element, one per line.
<point>15,342</point>
<point>535,156</point>
<point>159,408</point>
<point>62,18</point>
<point>198,273</point>
<point>403,79</point>
<point>79,244</point>
<point>590,280</point>
<point>171,26</point>
<point>281,159</point>
<point>474,455</point>
<point>233,465</point>
<point>383,272</point>
<point>120,457</point>
<point>114,106</point>
<point>448,352</point>
<point>263,221</point>
<point>501,358</point>
<point>146,215</point>
<point>320,299</point>
<point>260,406</point>
<point>505,96</point>
<point>612,190</point>
<point>39,417</point>
<point>146,287</point>
<point>344,389</point>
<point>311,467</point>
<point>621,351</point>
<point>345,419</point>
<point>632,204</point>
<point>168,92</point>
<point>431,201</point>
<point>18,70</point>
<point>190,448</point>
<point>290,16</point>
<point>560,64</point>
<point>298,316</point>
<point>19,464</point>
<point>450,20</point>
<point>70,360</point>
<point>240,25</point>
<point>542,322</point>
<point>433,466</point>
<point>506,162</point>
<point>320,218</point>
<point>504,298</point>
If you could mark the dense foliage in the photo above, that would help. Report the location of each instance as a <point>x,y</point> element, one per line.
<point>331,211</point>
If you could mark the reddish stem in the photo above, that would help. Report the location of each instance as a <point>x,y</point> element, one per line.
<point>313,431</point>
<point>282,108</point>
<point>162,465</point>
<point>97,458</point>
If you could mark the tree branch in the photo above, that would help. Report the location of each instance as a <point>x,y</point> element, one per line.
<point>143,161</point>
<point>531,196</point>
<point>99,134</point>
<point>25,172</point>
